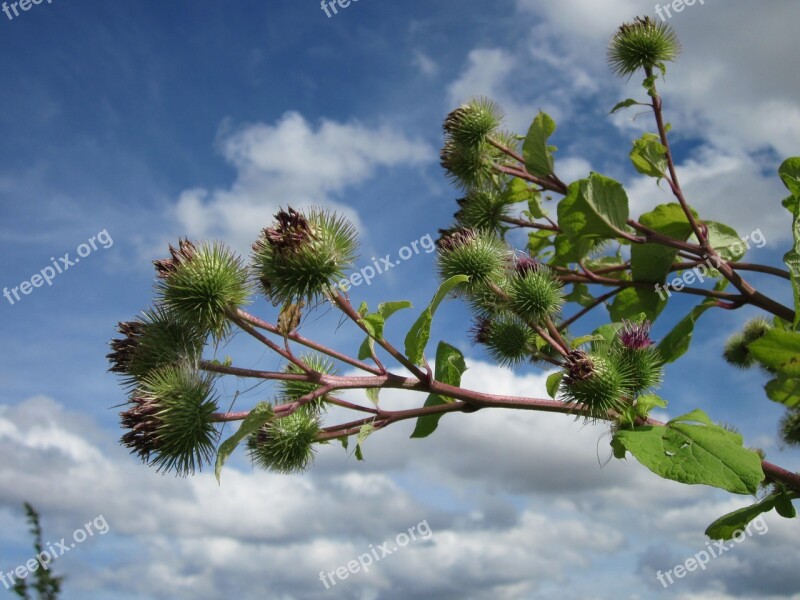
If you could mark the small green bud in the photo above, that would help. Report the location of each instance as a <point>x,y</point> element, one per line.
<point>200,284</point>
<point>482,209</point>
<point>285,445</point>
<point>736,347</point>
<point>471,123</point>
<point>303,255</point>
<point>171,420</point>
<point>790,427</point>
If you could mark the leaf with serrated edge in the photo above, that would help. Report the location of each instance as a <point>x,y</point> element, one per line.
<point>691,449</point>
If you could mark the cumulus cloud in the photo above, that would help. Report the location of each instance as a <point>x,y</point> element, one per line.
<point>291,162</point>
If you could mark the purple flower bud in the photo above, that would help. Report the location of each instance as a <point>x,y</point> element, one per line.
<point>635,336</point>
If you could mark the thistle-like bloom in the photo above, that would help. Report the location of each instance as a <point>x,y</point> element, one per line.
<point>525,264</point>
<point>642,44</point>
<point>285,445</point>
<point>737,351</point>
<point>635,336</point>
<point>170,420</point>
<point>303,254</point>
<point>471,123</point>
<point>201,284</point>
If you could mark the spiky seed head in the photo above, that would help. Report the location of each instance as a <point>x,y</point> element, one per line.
<point>303,255</point>
<point>535,294</point>
<point>482,209</point>
<point>756,328</point>
<point>471,123</point>
<point>201,284</point>
<point>291,391</point>
<point>790,427</point>
<point>508,340</point>
<point>170,420</point>
<point>156,339</point>
<point>480,255</point>
<point>595,381</point>
<point>642,44</point>
<point>285,445</point>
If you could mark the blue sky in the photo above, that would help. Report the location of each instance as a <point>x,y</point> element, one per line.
<point>149,121</point>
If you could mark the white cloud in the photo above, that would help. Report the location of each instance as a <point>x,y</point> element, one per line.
<point>292,163</point>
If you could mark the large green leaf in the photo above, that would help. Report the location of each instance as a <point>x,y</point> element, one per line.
<point>450,366</point>
<point>538,155</point>
<point>258,417</point>
<point>692,449</point>
<point>779,350</point>
<point>420,332</point>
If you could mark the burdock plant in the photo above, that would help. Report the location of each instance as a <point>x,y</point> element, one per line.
<point>587,254</point>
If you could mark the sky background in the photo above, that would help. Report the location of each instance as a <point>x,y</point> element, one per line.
<point>152,120</point>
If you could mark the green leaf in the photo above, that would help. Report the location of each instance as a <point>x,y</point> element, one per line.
<point>553,383</point>
<point>728,525</point>
<point>363,434</point>
<point>580,295</point>
<point>586,339</point>
<point>420,332</point>
<point>373,394</point>
<point>607,198</point>
<point>258,417</point>
<point>784,506</point>
<point>374,323</point>
<point>653,262</point>
<point>450,366</point>
<point>535,207</point>
<point>676,342</point>
<point>517,191</point>
<point>778,350</point>
<point>632,301</point>
<point>784,390</point>
<point>538,241</point>
<point>726,241</point>
<point>792,257</point>
<point>538,155</point>
<point>649,156</point>
<point>648,402</point>
<point>789,172</point>
<point>625,104</point>
<point>691,449</point>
